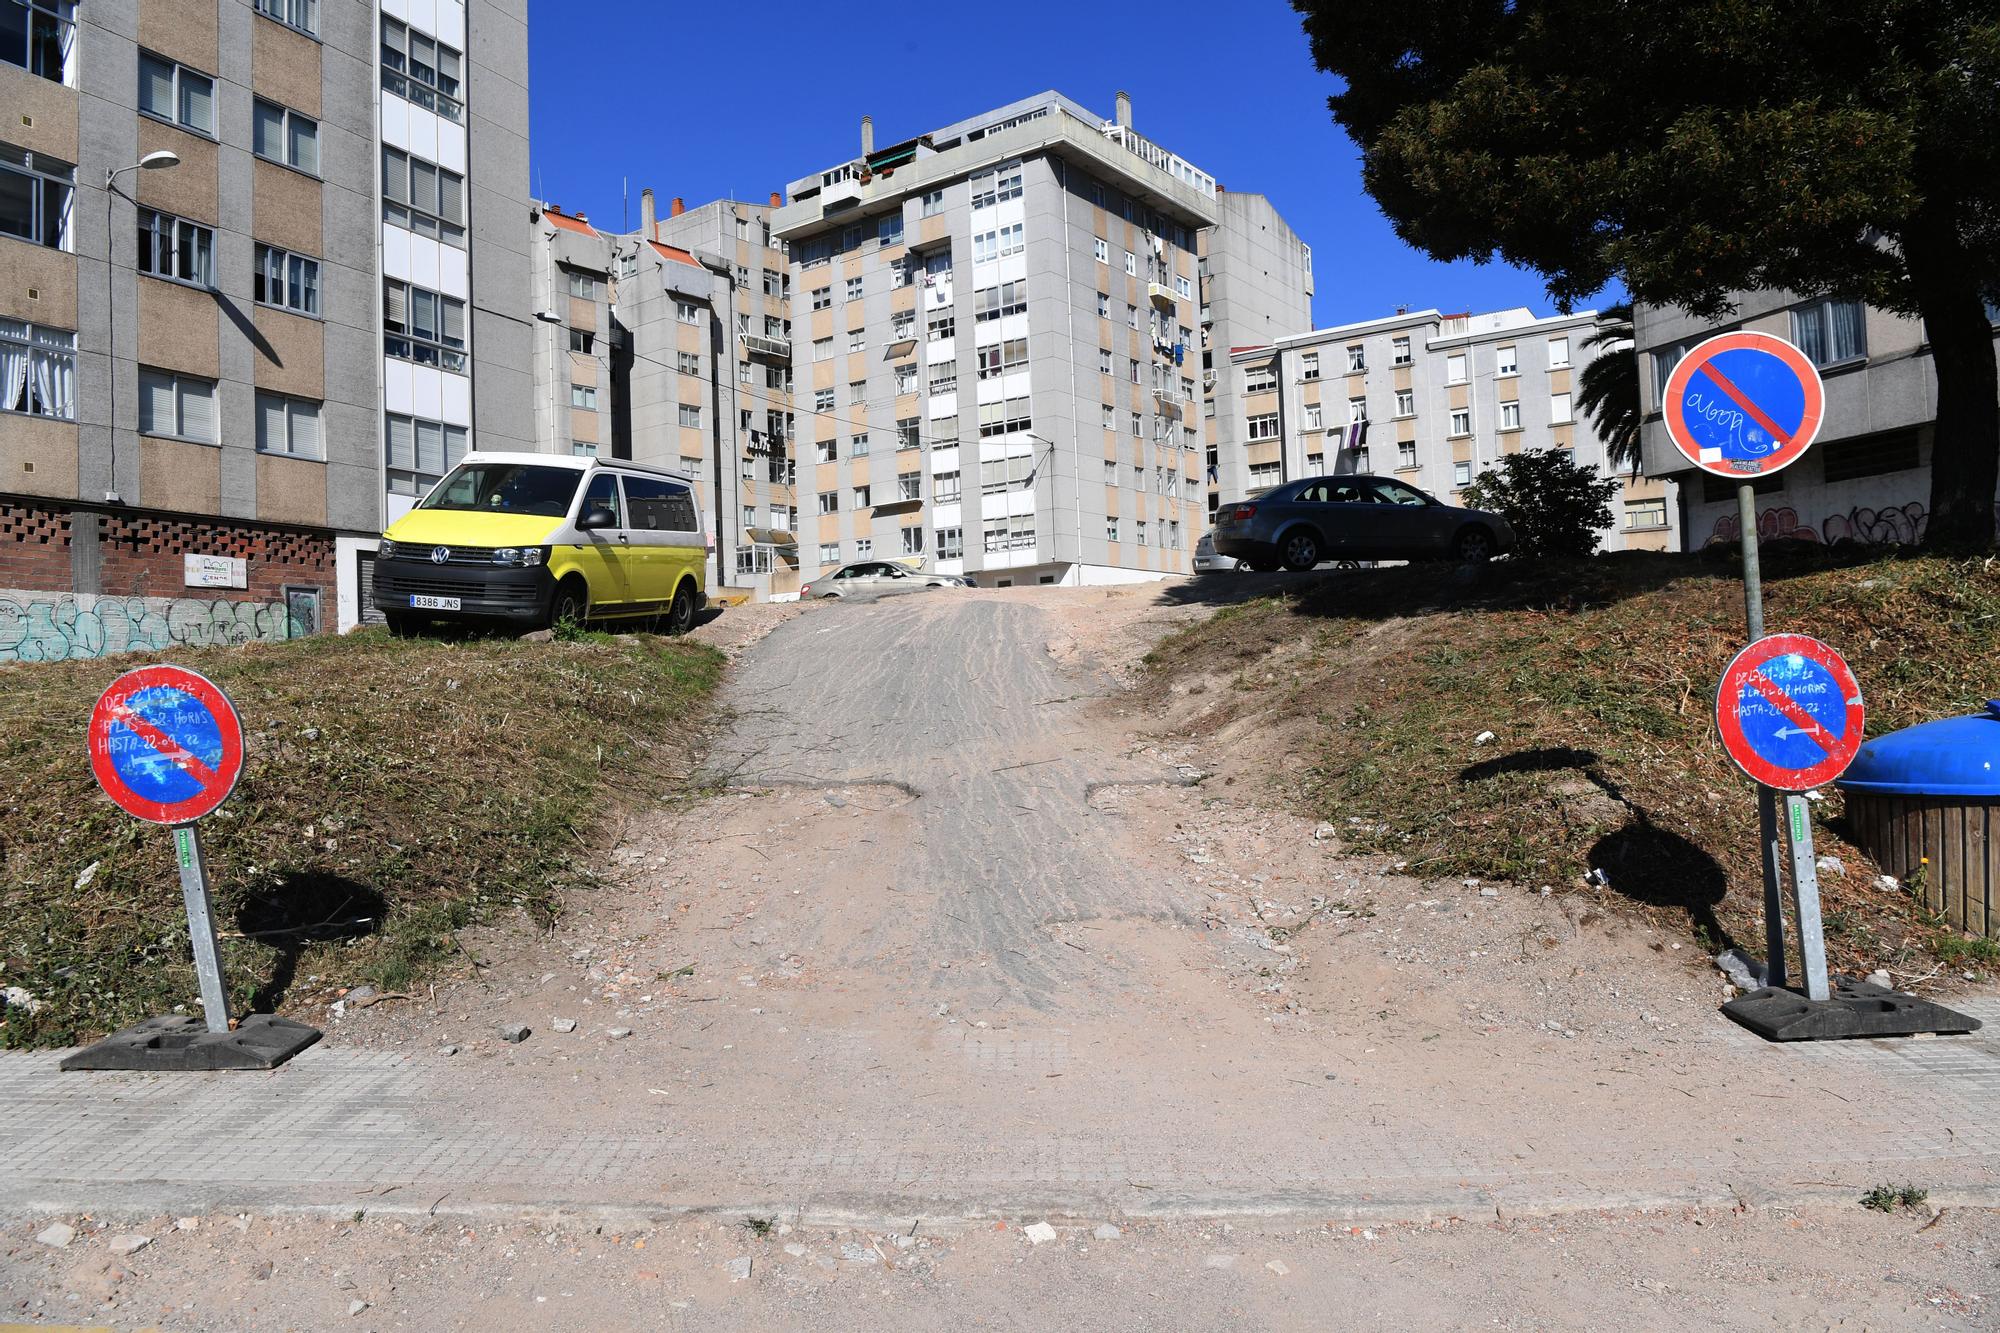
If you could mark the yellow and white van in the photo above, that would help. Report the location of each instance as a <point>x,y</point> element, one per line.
<point>537,539</point>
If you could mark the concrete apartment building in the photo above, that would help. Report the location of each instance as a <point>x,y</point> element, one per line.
<point>1256,287</point>
<point>671,346</point>
<point>1433,400</point>
<point>1866,478</point>
<point>995,327</point>
<point>195,362</point>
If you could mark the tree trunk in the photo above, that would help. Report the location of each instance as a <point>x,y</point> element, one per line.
<point>1965,445</point>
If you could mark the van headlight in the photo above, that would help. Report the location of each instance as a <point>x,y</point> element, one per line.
<point>520,556</point>
<point>386,550</point>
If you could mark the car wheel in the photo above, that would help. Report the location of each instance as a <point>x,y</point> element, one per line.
<point>1300,550</point>
<point>1263,564</point>
<point>1474,546</point>
<point>570,604</point>
<point>402,624</point>
<point>680,616</point>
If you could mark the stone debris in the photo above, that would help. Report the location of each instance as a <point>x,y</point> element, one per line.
<point>131,1243</point>
<point>1880,977</point>
<point>1278,1266</point>
<point>1744,972</point>
<point>1484,738</point>
<point>739,1268</point>
<point>19,997</point>
<point>1830,865</point>
<point>57,1236</point>
<point>448,1049</point>
<point>1105,1231</point>
<point>1039,1232</point>
<point>87,874</point>
<point>563,1024</point>
<point>1488,891</point>
<point>796,1250</point>
<point>514,1032</point>
<point>616,1033</point>
<point>855,1253</point>
<point>187,1224</point>
<point>355,1307</point>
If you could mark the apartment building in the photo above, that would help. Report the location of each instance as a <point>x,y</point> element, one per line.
<point>1866,478</point>
<point>214,286</point>
<point>1000,319</point>
<point>1433,400</point>
<point>671,346</point>
<point>1256,287</point>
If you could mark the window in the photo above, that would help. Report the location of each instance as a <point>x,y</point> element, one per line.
<point>1183,288</point>
<point>176,94</point>
<point>1830,332</point>
<point>419,452</point>
<point>1139,531</point>
<point>1100,251</point>
<point>828,451</point>
<point>1131,263</point>
<point>902,326</point>
<point>941,326</point>
<point>1461,421</point>
<point>422,326</point>
<point>1559,409</point>
<point>1454,368</point>
<point>1010,534</point>
<point>857,444</point>
<point>906,379</point>
<point>1868,455</point>
<point>687,312</point>
<point>998,244</point>
<point>1001,357</point>
<point>1357,358</point>
<point>854,289</point>
<point>943,376</point>
<point>1357,409</point>
<point>1406,453</point>
<point>422,69</point>
<point>424,197</point>
<point>1264,426</point>
<point>907,434</point>
<point>35,196</point>
<point>822,298</point>
<point>1510,416</point>
<point>863,547</point>
<point>1641,515</point>
<point>933,203</point>
<point>951,543</point>
<point>300,14</point>
<point>910,486</point>
<point>1257,379</point>
<point>1314,420</point>
<point>176,249</point>
<point>37,370</point>
<point>1137,430</point>
<point>913,541</point>
<point>38,35</point>
<point>861,498</point>
<point>1103,306</point>
<point>1111,527</point>
<point>857,340</point>
<point>1005,418</point>
<point>889,231</point>
<point>829,553</point>
<point>1009,298</point>
<point>1664,361</point>
<point>179,406</point>
<point>287,426</point>
<point>944,486</point>
<point>583,396</point>
<point>1558,353</point>
<point>1461,474</point>
<point>280,134</point>
<point>829,502</point>
<point>291,281</point>
<point>823,350</point>
<point>688,363</point>
<point>691,463</point>
<point>1316,462</point>
<point>1264,474</point>
<point>1507,361</point>
<point>690,414</point>
<point>823,399</point>
<point>1309,366</point>
<point>1406,402</point>
<point>581,284</point>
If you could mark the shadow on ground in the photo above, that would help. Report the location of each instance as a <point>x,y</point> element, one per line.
<point>302,910</point>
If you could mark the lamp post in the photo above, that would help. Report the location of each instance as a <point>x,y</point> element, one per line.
<point>150,162</point>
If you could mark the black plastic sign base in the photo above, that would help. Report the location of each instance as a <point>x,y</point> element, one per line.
<point>176,1043</point>
<point>1856,1009</point>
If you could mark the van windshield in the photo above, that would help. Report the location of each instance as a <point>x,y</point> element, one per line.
<point>507,488</point>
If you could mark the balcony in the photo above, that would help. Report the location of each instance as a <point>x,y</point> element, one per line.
<point>1160,296</point>
<point>763,344</point>
<point>1167,404</point>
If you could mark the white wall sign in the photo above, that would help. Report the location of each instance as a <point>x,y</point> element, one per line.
<point>215,571</point>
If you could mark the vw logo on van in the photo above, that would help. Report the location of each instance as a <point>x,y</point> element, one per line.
<point>440,554</point>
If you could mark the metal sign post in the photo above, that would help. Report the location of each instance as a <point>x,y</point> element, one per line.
<point>167,747</point>
<point>1767,800</point>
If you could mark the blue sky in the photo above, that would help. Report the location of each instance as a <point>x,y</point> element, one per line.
<point>650,91</point>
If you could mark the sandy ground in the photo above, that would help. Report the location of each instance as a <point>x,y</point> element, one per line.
<point>965,921</point>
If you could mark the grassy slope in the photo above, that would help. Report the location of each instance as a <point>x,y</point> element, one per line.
<point>1599,681</point>
<point>422,784</point>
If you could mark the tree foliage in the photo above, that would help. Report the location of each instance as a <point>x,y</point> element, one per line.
<point>1607,390</point>
<point>1698,148</point>
<point>1555,505</point>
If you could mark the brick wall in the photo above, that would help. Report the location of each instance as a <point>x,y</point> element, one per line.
<point>139,554</point>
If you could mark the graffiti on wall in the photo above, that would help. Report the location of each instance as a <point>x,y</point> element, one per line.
<point>1899,525</point>
<point>56,627</point>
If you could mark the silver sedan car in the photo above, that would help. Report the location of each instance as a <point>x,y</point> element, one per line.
<point>869,578</point>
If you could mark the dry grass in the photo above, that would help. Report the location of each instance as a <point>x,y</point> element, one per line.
<point>394,791</point>
<point>1598,681</point>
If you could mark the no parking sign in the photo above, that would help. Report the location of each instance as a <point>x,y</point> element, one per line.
<point>1790,712</point>
<point>1743,405</point>
<point>166,744</point>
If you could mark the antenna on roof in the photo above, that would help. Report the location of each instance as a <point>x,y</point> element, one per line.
<point>625,204</point>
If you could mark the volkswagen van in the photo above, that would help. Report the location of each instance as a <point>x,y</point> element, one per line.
<point>538,539</point>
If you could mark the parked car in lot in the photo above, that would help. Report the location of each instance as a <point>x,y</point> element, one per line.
<point>537,539</point>
<point>1300,524</point>
<point>1205,558</point>
<point>873,577</point>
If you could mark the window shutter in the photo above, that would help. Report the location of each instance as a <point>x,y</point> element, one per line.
<point>197,103</point>
<point>423,185</point>
<point>395,305</point>
<point>267,131</point>
<point>402,445</point>
<point>454,445</point>
<point>156,86</point>
<point>197,410</point>
<point>430,447</point>
<point>451,197</point>
<point>454,321</point>
<point>395,176</point>
<point>305,429</point>
<point>270,424</point>
<point>156,403</point>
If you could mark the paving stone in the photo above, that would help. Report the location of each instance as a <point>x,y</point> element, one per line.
<point>57,1236</point>
<point>130,1243</point>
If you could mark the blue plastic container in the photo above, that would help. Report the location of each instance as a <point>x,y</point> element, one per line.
<point>1955,756</point>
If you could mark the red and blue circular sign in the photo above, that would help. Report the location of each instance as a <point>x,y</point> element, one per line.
<point>1790,712</point>
<point>165,744</point>
<point>1743,405</point>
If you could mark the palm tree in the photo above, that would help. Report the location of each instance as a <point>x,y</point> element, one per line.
<point>1608,389</point>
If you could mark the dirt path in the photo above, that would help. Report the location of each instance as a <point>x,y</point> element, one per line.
<point>956,941</point>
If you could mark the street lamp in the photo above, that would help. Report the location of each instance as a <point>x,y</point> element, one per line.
<point>155,161</point>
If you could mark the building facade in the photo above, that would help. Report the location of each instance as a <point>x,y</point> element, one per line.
<point>1866,478</point>
<point>1433,400</point>
<point>196,359</point>
<point>994,329</point>
<point>1256,287</point>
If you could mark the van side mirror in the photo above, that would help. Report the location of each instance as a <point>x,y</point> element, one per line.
<point>597,516</point>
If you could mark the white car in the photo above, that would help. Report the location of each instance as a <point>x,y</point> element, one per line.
<point>875,577</point>
<point>1205,558</point>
